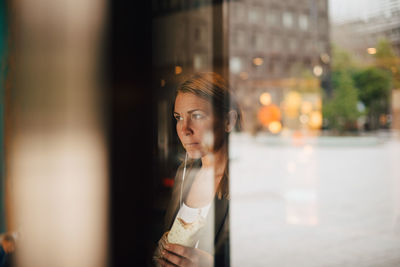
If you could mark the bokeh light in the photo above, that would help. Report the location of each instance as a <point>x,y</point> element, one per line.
<point>318,70</point>
<point>258,61</point>
<point>178,70</point>
<point>306,107</point>
<point>292,103</point>
<point>268,114</point>
<point>265,99</point>
<point>275,127</point>
<point>371,50</point>
<point>315,120</point>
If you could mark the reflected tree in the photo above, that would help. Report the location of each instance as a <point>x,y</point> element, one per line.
<point>374,86</point>
<point>340,111</point>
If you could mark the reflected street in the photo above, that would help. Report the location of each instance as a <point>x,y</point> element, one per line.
<point>331,201</point>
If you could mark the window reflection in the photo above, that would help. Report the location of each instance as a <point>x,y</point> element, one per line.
<point>307,123</point>
<point>314,166</point>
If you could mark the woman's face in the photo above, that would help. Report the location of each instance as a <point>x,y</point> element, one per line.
<point>194,124</point>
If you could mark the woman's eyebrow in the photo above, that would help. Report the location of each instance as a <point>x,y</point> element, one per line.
<point>191,111</point>
<point>194,110</point>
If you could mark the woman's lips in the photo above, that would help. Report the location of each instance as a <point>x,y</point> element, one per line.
<point>191,144</point>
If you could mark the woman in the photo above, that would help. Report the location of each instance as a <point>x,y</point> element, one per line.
<point>197,219</point>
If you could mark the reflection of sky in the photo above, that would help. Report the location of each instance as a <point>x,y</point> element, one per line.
<point>341,10</point>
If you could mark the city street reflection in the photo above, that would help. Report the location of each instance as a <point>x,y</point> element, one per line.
<point>301,188</point>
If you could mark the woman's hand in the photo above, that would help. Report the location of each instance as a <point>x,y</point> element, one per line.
<point>161,244</point>
<point>177,255</point>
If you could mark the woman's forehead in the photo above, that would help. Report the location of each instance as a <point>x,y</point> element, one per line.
<point>185,102</point>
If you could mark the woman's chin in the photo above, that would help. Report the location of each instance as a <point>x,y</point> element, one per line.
<point>194,154</point>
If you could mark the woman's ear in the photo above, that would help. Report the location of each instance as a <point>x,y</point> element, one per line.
<point>231,121</point>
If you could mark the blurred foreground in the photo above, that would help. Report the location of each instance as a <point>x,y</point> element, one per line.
<point>331,201</point>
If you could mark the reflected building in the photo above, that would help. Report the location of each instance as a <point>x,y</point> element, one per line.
<point>357,35</point>
<point>187,38</point>
<point>270,46</point>
<point>273,44</point>
<point>186,35</point>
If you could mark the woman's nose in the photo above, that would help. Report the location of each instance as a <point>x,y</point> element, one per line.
<point>186,127</point>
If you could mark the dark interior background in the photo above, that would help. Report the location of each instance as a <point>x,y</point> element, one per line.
<point>131,131</point>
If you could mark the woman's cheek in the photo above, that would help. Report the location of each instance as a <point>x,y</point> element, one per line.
<point>208,140</point>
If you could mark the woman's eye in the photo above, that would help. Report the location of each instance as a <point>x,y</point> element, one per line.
<point>197,116</point>
<point>178,118</point>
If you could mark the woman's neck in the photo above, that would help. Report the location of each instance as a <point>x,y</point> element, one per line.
<point>207,180</point>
